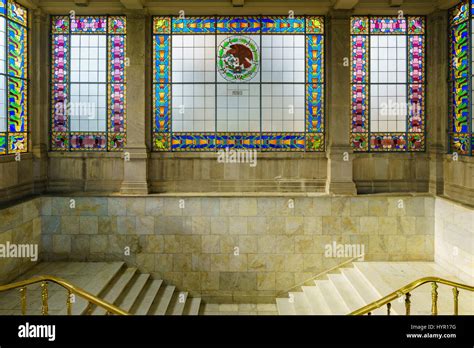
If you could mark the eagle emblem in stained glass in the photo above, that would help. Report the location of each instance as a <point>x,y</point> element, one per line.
<point>238,58</point>
<point>243,82</point>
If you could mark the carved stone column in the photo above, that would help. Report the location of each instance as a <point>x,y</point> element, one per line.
<point>437,90</point>
<point>135,176</point>
<point>339,151</point>
<point>39,71</point>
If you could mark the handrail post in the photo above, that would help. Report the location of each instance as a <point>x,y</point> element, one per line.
<point>389,306</point>
<point>89,309</point>
<point>434,298</point>
<point>44,298</point>
<point>68,303</point>
<point>407,303</point>
<point>388,299</point>
<point>72,291</point>
<point>23,300</point>
<point>456,300</point>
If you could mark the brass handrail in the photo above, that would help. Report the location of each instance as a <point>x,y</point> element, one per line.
<point>72,289</point>
<point>321,274</point>
<point>407,289</point>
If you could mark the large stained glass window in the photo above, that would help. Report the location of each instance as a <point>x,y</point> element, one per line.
<point>460,79</point>
<point>388,84</point>
<point>238,82</point>
<point>13,78</point>
<point>88,83</point>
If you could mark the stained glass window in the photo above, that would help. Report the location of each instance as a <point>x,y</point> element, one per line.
<point>88,83</point>
<point>13,78</point>
<point>388,84</point>
<point>460,79</point>
<point>249,82</point>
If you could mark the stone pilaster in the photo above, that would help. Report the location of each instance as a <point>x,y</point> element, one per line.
<point>136,168</point>
<point>339,152</point>
<point>39,97</point>
<point>436,103</point>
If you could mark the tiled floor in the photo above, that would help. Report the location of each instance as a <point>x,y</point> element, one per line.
<point>239,309</point>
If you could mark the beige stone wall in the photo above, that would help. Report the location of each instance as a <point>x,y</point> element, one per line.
<point>16,177</point>
<point>378,172</point>
<point>19,224</point>
<point>85,172</point>
<point>280,172</point>
<point>459,179</point>
<point>194,247</point>
<point>454,238</point>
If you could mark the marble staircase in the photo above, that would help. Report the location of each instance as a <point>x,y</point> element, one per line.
<point>114,282</point>
<point>352,287</point>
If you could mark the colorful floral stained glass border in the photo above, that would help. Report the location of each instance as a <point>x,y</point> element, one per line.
<point>114,138</point>
<point>283,25</point>
<point>361,137</point>
<point>460,13</point>
<point>239,24</point>
<point>258,141</point>
<point>310,140</point>
<point>461,39</point>
<point>14,138</point>
<point>17,13</point>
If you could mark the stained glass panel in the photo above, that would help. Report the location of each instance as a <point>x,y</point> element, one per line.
<point>17,13</point>
<point>13,78</point>
<point>459,13</point>
<point>88,83</point>
<point>3,7</point>
<point>89,24</point>
<point>229,25</point>
<point>283,25</point>
<point>387,25</point>
<point>387,83</point>
<point>416,25</point>
<point>244,82</point>
<point>161,25</point>
<point>193,25</point>
<point>460,100</point>
<point>17,50</point>
<point>3,143</point>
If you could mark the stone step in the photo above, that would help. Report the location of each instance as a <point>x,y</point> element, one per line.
<point>128,298</point>
<point>366,282</point>
<point>177,303</point>
<point>395,275</point>
<point>335,302</point>
<point>192,306</point>
<point>285,307</point>
<point>111,281</point>
<point>365,290</point>
<point>344,288</point>
<point>142,306</point>
<point>316,300</point>
<point>162,302</point>
<point>116,288</point>
<point>368,272</point>
<point>301,303</point>
<point>107,274</point>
